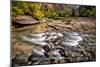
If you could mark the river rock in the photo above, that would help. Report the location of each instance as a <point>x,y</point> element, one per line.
<point>59,47</point>
<point>24,20</point>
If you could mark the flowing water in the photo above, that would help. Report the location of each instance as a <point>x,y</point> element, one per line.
<point>59,47</point>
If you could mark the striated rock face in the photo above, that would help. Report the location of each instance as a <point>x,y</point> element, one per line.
<point>24,20</point>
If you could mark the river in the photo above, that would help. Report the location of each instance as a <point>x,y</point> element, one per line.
<point>58,47</point>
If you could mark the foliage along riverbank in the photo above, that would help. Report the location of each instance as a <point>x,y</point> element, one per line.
<point>48,10</point>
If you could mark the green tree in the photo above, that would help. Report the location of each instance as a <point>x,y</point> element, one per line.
<point>87,11</point>
<point>27,8</point>
<point>37,12</point>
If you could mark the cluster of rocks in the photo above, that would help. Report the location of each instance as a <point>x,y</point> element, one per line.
<point>56,47</point>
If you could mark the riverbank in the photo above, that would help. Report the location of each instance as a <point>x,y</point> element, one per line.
<point>82,27</point>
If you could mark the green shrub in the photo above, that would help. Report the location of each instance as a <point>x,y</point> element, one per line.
<point>51,13</point>
<point>39,11</point>
<point>87,11</point>
<point>28,8</point>
<point>38,15</point>
<point>17,11</point>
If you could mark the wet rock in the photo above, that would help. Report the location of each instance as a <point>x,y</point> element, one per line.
<point>38,51</point>
<point>34,60</point>
<point>60,47</point>
<point>20,60</point>
<point>47,48</point>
